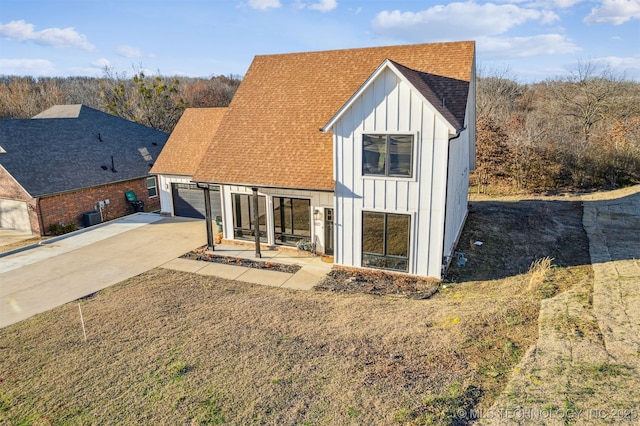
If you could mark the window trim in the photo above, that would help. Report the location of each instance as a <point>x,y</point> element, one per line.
<point>239,231</point>
<point>411,219</point>
<point>412,175</point>
<point>154,187</point>
<point>286,238</point>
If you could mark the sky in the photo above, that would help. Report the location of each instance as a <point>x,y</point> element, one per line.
<point>525,40</point>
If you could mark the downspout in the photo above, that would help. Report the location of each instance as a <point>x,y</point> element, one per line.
<point>39,216</point>
<point>446,260</point>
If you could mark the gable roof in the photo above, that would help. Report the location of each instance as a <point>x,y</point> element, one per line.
<point>52,155</point>
<point>270,135</point>
<point>188,141</point>
<point>434,89</point>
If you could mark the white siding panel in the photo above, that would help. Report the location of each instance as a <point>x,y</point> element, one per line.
<point>366,106</point>
<point>391,195</point>
<point>402,196</point>
<point>404,106</point>
<point>458,184</point>
<point>392,102</point>
<point>424,192</point>
<point>439,194</point>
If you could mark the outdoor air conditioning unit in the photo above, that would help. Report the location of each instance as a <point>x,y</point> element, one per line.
<point>91,218</point>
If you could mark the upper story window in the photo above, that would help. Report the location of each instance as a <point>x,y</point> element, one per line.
<point>387,155</point>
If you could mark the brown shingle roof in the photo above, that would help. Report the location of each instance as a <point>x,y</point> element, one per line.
<point>270,135</point>
<point>189,141</point>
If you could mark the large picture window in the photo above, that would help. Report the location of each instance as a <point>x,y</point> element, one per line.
<point>385,240</point>
<point>291,220</point>
<point>387,155</point>
<point>243,219</point>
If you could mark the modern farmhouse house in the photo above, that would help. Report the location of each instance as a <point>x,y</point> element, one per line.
<point>365,153</point>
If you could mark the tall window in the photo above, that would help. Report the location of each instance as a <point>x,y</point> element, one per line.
<point>385,240</point>
<point>387,155</point>
<point>243,218</point>
<point>152,188</point>
<point>291,220</point>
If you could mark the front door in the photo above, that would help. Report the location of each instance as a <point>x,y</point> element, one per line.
<point>328,232</point>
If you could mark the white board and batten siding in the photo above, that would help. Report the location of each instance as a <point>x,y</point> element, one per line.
<point>387,106</point>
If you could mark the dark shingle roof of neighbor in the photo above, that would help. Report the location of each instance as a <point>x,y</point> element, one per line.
<point>66,148</point>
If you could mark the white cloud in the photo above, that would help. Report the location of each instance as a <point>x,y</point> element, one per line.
<point>324,5</point>
<point>26,67</point>
<point>55,37</point>
<point>101,63</point>
<point>471,20</point>
<point>523,47</point>
<point>128,51</point>
<point>564,4</point>
<point>628,66</point>
<point>614,11</point>
<point>264,4</point>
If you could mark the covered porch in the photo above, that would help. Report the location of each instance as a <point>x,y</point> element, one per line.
<point>285,217</point>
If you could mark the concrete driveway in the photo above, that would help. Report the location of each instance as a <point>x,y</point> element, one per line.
<point>62,270</point>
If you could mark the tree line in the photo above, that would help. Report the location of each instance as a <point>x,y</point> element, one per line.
<point>155,101</point>
<point>581,132</point>
<point>577,133</point>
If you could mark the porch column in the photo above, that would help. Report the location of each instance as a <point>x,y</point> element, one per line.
<point>207,215</point>
<point>256,221</point>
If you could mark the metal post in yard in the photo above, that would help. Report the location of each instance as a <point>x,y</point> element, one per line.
<point>256,221</point>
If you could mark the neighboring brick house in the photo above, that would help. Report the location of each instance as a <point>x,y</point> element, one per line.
<point>362,153</point>
<point>71,160</point>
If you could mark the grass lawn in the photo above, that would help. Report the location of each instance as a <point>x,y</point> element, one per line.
<point>168,347</point>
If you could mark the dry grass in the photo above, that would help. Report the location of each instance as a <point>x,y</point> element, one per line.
<point>19,244</point>
<point>175,348</point>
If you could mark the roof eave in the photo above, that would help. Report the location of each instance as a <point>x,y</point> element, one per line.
<point>253,185</point>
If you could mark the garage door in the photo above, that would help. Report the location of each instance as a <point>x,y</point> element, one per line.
<point>14,215</point>
<point>188,201</point>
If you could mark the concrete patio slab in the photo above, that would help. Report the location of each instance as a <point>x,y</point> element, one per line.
<point>220,270</point>
<point>184,265</point>
<point>261,276</point>
<point>302,280</point>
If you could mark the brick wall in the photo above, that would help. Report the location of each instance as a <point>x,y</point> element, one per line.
<point>70,207</point>
<point>10,189</point>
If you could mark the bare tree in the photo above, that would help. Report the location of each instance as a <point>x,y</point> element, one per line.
<point>497,95</point>
<point>152,101</point>
<point>24,97</point>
